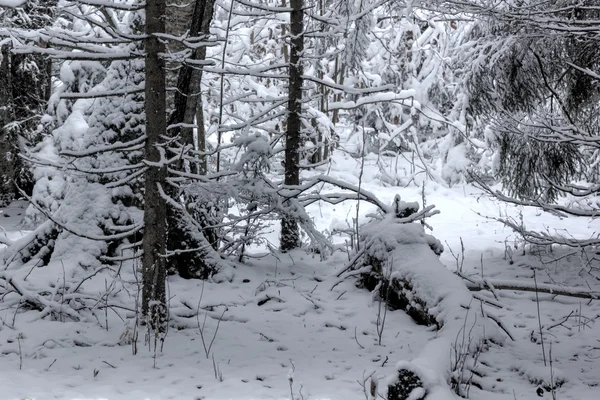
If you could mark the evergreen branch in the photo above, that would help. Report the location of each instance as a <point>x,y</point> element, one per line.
<point>131,145</point>
<point>556,209</point>
<point>107,238</point>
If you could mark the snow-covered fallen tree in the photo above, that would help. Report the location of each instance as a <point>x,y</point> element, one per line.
<point>400,262</point>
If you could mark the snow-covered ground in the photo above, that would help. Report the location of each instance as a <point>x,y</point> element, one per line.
<point>278,330</point>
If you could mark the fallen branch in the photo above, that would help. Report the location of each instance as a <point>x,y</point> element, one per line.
<point>361,271</point>
<point>5,240</point>
<point>352,262</point>
<point>476,285</point>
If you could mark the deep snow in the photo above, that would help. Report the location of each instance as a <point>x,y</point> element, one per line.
<point>282,320</point>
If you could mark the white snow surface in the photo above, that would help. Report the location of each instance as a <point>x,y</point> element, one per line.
<point>12,3</point>
<point>282,320</point>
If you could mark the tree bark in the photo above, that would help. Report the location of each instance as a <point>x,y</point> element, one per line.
<point>188,105</point>
<point>153,261</point>
<point>6,170</point>
<point>290,234</point>
<point>178,16</point>
<point>188,95</point>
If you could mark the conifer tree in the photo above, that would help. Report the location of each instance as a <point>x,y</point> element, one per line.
<point>531,72</point>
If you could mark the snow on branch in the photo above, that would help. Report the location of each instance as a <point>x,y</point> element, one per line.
<point>80,55</point>
<point>585,70</point>
<point>546,239</point>
<point>5,240</point>
<point>475,285</point>
<point>131,145</point>
<point>270,9</point>
<point>111,4</point>
<point>71,167</point>
<point>328,82</point>
<point>546,128</point>
<point>404,97</point>
<point>93,94</point>
<point>12,3</point>
<point>294,191</point>
<point>556,209</point>
<point>76,232</point>
<point>575,189</point>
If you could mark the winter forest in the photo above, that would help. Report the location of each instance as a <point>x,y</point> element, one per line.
<point>299,199</point>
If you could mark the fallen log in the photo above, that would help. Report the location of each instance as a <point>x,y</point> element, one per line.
<point>408,275</point>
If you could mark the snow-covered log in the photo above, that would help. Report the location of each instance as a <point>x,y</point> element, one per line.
<point>406,272</point>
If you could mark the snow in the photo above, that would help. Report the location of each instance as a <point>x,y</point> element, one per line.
<point>284,326</point>
<point>281,316</point>
<point>287,326</point>
<point>456,163</point>
<point>12,3</point>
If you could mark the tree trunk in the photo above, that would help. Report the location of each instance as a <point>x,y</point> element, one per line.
<point>290,234</point>
<point>284,49</point>
<point>153,261</point>
<point>178,16</point>
<point>188,105</point>
<point>188,93</point>
<point>24,92</point>
<point>6,151</point>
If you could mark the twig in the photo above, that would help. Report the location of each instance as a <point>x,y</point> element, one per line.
<point>201,328</point>
<point>537,300</point>
<point>217,370</point>
<point>356,339</point>
<point>291,380</point>
<point>51,364</point>
<point>360,176</point>
<point>359,271</point>
<point>499,322</point>
<point>352,262</point>
<point>363,384</point>
<point>109,364</point>
<point>552,386</point>
<point>562,322</point>
<point>19,336</point>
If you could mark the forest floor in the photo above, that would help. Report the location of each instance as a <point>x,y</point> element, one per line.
<point>278,330</point>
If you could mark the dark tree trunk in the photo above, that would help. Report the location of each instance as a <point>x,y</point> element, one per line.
<point>153,261</point>
<point>6,116</point>
<point>188,105</point>
<point>25,88</point>
<point>24,92</point>
<point>188,97</point>
<point>290,234</point>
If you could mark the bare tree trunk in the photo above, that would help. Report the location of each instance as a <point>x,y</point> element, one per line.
<point>6,170</point>
<point>188,93</point>
<point>187,106</point>
<point>284,50</point>
<point>340,74</point>
<point>153,261</point>
<point>201,135</point>
<point>25,88</point>
<point>178,17</point>
<point>290,234</point>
